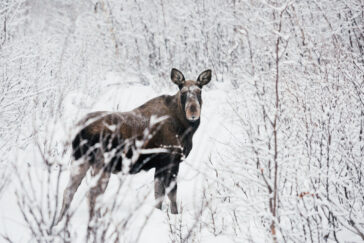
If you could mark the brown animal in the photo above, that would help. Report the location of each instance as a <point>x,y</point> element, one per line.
<point>157,135</point>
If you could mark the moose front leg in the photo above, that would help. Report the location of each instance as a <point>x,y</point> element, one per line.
<point>159,189</point>
<point>172,195</point>
<point>166,179</point>
<point>171,185</point>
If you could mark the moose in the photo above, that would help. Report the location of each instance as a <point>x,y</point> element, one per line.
<point>158,134</point>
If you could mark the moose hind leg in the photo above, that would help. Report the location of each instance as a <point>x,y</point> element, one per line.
<point>78,172</point>
<point>103,177</point>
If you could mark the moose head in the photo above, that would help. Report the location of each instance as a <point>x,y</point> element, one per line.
<point>190,93</point>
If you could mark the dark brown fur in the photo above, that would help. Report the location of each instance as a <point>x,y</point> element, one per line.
<point>119,132</point>
<point>174,132</point>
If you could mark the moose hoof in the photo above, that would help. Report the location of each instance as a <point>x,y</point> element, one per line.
<point>158,206</point>
<point>174,210</point>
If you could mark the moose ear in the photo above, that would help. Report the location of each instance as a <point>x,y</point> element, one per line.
<point>204,78</point>
<point>177,77</point>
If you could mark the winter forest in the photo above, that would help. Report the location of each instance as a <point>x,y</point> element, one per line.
<point>278,155</point>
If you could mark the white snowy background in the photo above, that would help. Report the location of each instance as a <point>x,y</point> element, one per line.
<point>279,153</point>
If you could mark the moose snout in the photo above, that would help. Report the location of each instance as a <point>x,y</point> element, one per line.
<point>193,108</point>
<point>193,112</point>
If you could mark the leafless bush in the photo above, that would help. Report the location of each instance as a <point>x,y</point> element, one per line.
<point>292,168</point>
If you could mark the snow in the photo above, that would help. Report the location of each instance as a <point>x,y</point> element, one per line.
<point>135,199</point>
<point>124,98</point>
<point>280,146</point>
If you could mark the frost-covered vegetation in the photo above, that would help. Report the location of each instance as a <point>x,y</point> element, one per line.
<point>280,150</point>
